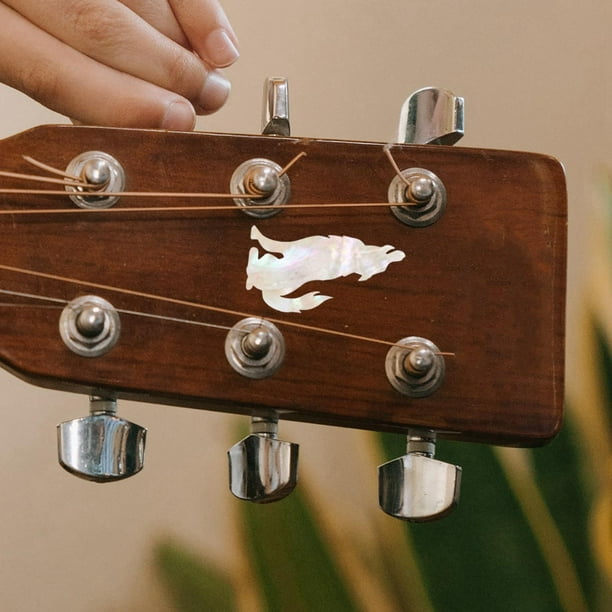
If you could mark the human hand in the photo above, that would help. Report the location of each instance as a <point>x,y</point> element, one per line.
<point>134,63</point>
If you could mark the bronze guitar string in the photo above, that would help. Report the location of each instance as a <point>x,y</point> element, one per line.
<point>73,181</point>
<point>190,304</point>
<point>59,302</point>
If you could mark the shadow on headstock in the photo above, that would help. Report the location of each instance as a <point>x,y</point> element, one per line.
<point>410,288</point>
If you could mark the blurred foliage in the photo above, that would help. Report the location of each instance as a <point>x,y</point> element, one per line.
<point>193,584</point>
<point>291,559</point>
<point>533,531</point>
<point>495,552</point>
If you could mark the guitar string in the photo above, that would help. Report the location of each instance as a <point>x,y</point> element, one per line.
<point>398,172</point>
<point>169,209</point>
<point>292,162</point>
<point>68,182</point>
<point>199,306</point>
<point>50,169</point>
<point>72,181</point>
<point>58,302</point>
<point>78,181</point>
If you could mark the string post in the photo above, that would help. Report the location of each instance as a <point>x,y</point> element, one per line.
<point>415,367</point>
<point>263,187</point>
<point>257,343</point>
<point>420,190</point>
<point>261,181</point>
<point>90,321</point>
<point>90,326</point>
<point>101,174</point>
<point>96,173</point>
<point>419,361</point>
<point>255,348</point>
<point>419,196</point>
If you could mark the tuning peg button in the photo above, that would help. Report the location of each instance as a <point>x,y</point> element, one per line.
<point>431,116</point>
<point>263,468</point>
<point>275,120</point>
<point>101,447</point>
<point>417,487</point>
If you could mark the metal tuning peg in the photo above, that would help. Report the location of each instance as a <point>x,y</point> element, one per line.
<point>417,487</point>
<point>101,447</point>
<point>431,116</point>
<point>275,119</point>
<point>263,468</point>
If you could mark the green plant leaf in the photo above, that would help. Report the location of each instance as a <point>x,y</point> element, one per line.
<point>193,583</point>
<point>293,564</point>
<point>604,351</point>
<point>559,473</point>
<point>483,556</point>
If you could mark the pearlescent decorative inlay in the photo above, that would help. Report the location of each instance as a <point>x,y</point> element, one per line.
<point>314,258</point>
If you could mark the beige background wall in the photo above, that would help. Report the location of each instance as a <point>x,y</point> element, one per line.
<point>536,76</point>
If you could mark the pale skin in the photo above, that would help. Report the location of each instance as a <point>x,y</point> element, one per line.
<point>129,63</point>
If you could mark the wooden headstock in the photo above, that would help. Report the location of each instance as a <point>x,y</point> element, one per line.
<point>485,282</point>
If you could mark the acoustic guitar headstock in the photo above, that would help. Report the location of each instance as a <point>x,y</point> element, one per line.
<point>410,288</point>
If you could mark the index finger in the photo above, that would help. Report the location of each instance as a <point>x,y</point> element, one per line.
<point>208,30</point>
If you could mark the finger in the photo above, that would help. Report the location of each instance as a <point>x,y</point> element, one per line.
<point>77,86</point>
<point>208,30</point>
<point>114,35</point>
<point>159,14</point>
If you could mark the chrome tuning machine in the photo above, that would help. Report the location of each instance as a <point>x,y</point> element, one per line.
<point>263,468</point>
<point>275,118</point>
<point>416,487</point>
<point>101,447</point>
<point>431,116</point>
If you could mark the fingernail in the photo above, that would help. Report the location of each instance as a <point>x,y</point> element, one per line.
<point>179,116</point>
<point>214,93</point>
<point>220,49</point>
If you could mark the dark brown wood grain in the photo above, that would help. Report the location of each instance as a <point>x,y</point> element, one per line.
<point>486,282</point>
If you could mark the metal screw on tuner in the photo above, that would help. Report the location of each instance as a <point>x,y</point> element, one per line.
<point>101,447</point>
<point>417,487</point>
<point>263,468</point>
